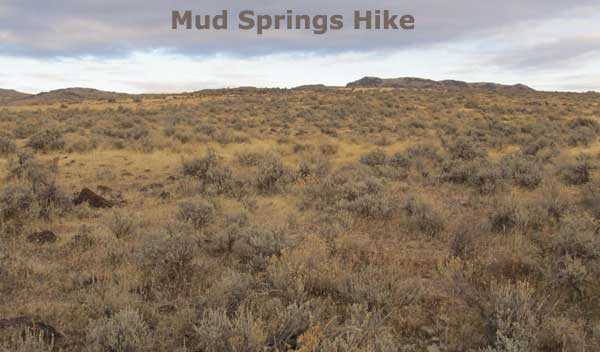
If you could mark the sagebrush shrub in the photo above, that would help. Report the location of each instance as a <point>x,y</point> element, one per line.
<point>7,146</point>
<point>423,217</point>
<point>214,178</point>
<point>47,140</point>
<point>198,212</point>
<point>126,331</point>
<point>271,174</point>
<point>122,224</point>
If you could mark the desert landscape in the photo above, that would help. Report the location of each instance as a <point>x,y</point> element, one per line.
<point>388,215</point>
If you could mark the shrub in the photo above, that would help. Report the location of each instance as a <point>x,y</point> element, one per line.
<point>463,149</point>
<point>7,146</point>
<point>217,332</point>
<point>122,224</point>
<point>364,330</point>
<point>214,178</point>
<point>423,217</point>
<point>166,263</point>
<point>271,174</point>
<point>590,198</point>
<point>504,216</point>
<point>126,331</point>
<point>199,212</point>
<point>576,172</point>
<point>374,158</point>
<point>513,316</point>
<point>582,131</point>
<point>523,170</point>
<point>46,140</point>
<point>353,190</point>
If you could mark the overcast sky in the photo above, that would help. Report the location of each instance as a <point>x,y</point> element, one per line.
<point>129,45</point>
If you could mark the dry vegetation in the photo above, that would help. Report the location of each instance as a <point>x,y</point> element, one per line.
<point>324,220</point>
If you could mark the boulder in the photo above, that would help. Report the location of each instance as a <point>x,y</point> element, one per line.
<point>94,200</point>
<point>42,237</point>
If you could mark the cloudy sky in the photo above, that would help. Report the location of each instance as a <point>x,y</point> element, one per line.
<point>129,45</point>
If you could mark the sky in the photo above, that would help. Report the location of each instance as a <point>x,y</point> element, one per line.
<point>129,46</point>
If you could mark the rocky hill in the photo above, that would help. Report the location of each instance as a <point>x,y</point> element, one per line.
<point>420,83</point>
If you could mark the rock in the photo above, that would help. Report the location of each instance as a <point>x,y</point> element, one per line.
<point>48,332</point>
<point>42,237</point>
<point>94,200</point>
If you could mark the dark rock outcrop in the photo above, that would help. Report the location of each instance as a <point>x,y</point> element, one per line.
<point>94,200</point>
<point>42,237</point>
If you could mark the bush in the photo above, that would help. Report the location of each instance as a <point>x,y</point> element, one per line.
<point>463,149</point>
<point>576,172</point>
<point>374,158</point>
<point>122,224</point>
<point>271,174</point>
<point>582,131</point>
<point>166,263</point>
<point>46,140</point>
<point>217,332</point>
<point>423,217</point>
<point>214,178</point>
<point>199,212</point>
<point>7,146</point>
<point>525,171</point>
<point>353,190</point>
<point>126,331</point>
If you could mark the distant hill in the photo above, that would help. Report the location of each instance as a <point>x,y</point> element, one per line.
<point>68,95</point>
<point>7,95</point>
<point>420,83</point>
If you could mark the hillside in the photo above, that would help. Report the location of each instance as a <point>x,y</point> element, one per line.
<point>63,96</point>
<point>420,83</point>
<point>7,95</point>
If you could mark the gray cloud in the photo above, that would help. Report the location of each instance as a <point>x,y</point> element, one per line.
<point>114,27</point>
<point>562,51</point>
